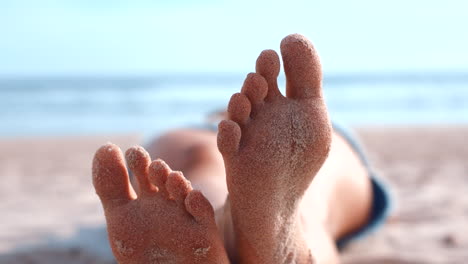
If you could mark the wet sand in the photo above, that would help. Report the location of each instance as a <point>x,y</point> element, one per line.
<point>50,213</point>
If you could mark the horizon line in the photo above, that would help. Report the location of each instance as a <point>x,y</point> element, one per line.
<point>209,77</point>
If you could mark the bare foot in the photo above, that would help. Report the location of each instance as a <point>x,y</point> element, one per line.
<point>168,222</point>
<point>273,146</point>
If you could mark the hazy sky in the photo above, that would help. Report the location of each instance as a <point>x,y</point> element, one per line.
<point>138,37</point>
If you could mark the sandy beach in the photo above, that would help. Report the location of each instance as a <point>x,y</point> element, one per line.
<point>50,213</point>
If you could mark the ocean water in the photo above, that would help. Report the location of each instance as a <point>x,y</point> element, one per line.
<point>150,105</point>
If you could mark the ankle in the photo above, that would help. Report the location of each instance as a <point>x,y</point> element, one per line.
<point>287,245</point>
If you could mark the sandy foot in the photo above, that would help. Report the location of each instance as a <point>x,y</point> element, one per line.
<point>273,146</point>
<point>167,223</point>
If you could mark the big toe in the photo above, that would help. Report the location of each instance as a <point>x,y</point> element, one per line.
<point>110,176</point>
<point>302,67</point>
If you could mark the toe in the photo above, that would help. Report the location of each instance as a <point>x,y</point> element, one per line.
<point>229,134</point>
<point>255,88</point>
<point>239,108</point>
<point>158,173</point>
<point>177,186</point>
<point>138,161</point>
<point>268,65</point>
<point>199,207</point>
<point>302,67</point>
<point>110,177</point>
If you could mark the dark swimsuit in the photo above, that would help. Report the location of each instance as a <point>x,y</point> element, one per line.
<point>381,203</point>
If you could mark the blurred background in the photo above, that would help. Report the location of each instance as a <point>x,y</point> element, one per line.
<point>75,74</point>
<point>99,67</point>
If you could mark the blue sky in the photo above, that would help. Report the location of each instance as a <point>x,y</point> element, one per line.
<point>140,37</point>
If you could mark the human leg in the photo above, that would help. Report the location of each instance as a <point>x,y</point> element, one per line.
<point>336,202</point>
<point>194,152</point>
<point>280,195</point>
<point>322,209</point>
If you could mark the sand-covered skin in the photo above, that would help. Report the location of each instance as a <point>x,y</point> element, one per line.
<point>166,221</point>
<point>273,146</point>
<point>426,166</point>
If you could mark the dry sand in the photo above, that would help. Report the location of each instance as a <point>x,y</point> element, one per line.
<point>50,214</point>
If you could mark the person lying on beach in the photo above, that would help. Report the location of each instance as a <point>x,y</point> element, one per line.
<point>276,183</point>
